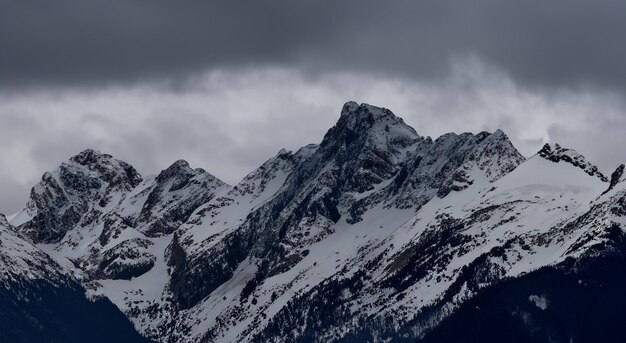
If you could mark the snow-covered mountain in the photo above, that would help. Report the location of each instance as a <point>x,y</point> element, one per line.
<point>376,234</point>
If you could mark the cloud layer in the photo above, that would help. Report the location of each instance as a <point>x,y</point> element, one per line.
<point>564,43</point>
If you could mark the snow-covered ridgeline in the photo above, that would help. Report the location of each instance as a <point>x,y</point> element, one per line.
<point>375,227</point>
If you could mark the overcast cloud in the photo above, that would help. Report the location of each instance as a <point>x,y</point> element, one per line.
<point>227,85</point>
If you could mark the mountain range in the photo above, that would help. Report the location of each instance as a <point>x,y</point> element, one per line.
<point>376,234</point>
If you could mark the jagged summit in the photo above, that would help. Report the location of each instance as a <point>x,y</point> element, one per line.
<point>92,182</point>
<point>180,164</point>
<point>87,180</point>
<point>365,130</point>
<point>496,155</point>
<point>369,124</point>
<point>105,166</point>
<point>556,153</point>
<point>87,156</point>
<point>353,109</point>
<point>362,149</point>
<point>182,169</point>
<point>361,119</point>
<point>177,168</point>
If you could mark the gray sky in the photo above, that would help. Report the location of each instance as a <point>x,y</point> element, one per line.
<point>225,85</point>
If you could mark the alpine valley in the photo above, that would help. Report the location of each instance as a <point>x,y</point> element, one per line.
<point>376,234</point>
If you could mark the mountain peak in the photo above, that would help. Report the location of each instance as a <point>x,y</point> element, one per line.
<point>180,167</point>
<point>496,155</point>
<point>283,152</point>
<point>556,153</point>
<point>65,194</point>
<point>367,123</point>
<point>180,164</point>
<point>89,156</point>
<point>498,137</point>
<point>106,165</point>
<point>366,143</point>
<point>181,172</point>
<point>364,111</point>
<point>499,134</point>
<point>349,107</point>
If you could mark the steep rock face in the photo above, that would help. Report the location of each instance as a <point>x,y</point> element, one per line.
<point>127,259</point>
<point>221,233</point>
<point>452,163</point>
<point>177,192</point>
<point>362,150</point>
<point>496,156</point>
<point>89,181</point>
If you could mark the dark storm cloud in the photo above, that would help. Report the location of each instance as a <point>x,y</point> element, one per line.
<point>545,43</point>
